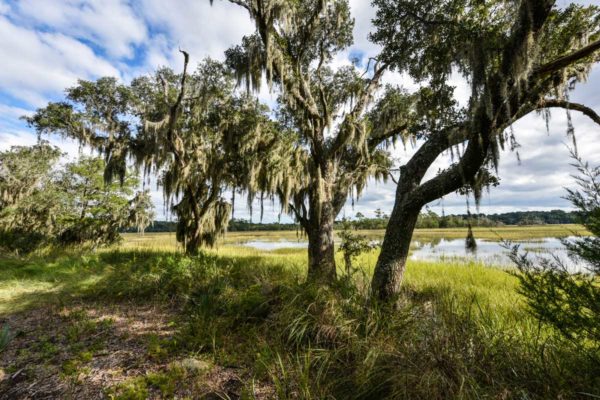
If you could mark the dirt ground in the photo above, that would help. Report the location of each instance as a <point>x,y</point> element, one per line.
<point>94,351</point>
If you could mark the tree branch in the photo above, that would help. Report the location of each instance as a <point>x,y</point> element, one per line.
<point>567,60</point>
<point>360,106</point>
<point>376,140</point>
<point>371,86</point>
<point>454,177</point>
<point>301,219</point>
<point>550,103</point>
<point>174,111</point>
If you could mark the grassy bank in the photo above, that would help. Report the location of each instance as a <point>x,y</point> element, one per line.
<point>167,241</point>
<point>134,323</point>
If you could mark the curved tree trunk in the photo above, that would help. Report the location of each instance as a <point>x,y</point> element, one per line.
<point>395,249</point>
<point>412,195</point>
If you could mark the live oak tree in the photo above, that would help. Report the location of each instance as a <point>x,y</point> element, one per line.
<point>341,141</point>
<point>24,171</point>
<point>518,56</point>
<point>90,211</point>
<point>193,129</point>
<point>44,204</point>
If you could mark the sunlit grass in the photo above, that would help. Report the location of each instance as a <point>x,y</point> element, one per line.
<point>460,328</point>
<point>36,280</point>
<point>32,281</point>
<point>167,241</point>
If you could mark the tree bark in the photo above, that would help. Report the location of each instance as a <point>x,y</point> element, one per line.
<point>391,263</point>
<point>321,247</point>
<point>412,195</point>
<point>192,243</point>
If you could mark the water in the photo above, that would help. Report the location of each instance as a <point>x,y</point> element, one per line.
<point>488,252</point>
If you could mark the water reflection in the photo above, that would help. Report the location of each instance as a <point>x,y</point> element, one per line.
<point>488,252</point>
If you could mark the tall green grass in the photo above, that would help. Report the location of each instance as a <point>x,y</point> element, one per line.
<point>167,241</point>
<point>458,331</point>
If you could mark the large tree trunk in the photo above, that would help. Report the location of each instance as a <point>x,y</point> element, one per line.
<point>505,93</point>
<point>327,196</point>
<point>192,243</point>
<point>412,195</point>
<point>391,263</point>
<point>321,248</point>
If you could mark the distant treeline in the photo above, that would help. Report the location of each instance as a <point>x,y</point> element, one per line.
<point>430,219</point>
<point>426,220</point>
<point>237,225</point>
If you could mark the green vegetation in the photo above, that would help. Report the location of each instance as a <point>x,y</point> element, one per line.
<point>431,220</point>
<point>568,301</point>
<point>43,205</point>
<point>167,241</point>
<point>518,58</point>
<point>164,316</point>
<point>4,337</point>
<point>196,131</point>
<point>428,220</point>
<point>460,330</point>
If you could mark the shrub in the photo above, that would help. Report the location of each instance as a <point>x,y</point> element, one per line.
<point>20,242</point>
<point>568,301</point>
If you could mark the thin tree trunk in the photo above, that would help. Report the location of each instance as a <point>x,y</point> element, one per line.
<point>348,263</point>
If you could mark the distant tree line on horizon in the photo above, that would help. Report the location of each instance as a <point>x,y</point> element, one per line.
<point>427,220</point>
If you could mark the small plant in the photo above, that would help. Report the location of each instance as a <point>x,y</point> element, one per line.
<point>158,349</point>
<point>132,389</point>
<point>353,245</point>
<point>5,338</point>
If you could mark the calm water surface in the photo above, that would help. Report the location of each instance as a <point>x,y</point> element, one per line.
<point>488,252</point>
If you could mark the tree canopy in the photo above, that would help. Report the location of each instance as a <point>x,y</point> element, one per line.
<point>341,136</point>
<point>45,204</point>
<point>193,129</point>
<point>519,57</point>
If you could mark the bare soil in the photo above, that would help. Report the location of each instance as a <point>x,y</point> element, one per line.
<point>85,351</point>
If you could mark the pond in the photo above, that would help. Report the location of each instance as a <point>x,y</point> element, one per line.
<point>488,252</point>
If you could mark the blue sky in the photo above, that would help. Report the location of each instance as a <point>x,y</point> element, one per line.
<point>46,45</point>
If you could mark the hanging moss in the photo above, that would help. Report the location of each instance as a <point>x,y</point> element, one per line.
<point>470,241</point>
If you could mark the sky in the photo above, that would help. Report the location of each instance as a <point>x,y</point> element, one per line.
<point>46,45</point>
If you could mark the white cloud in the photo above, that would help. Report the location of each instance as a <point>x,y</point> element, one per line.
<point>13,113</point>
<point>4,8</point>
<point>36,65</point>
<point>196,26</point>
<point>110,24</point>
<point>46,45</point>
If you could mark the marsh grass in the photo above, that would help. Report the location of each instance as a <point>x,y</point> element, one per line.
<point>5,337</point>
<point>167,241</point>
<point>458,331</point>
